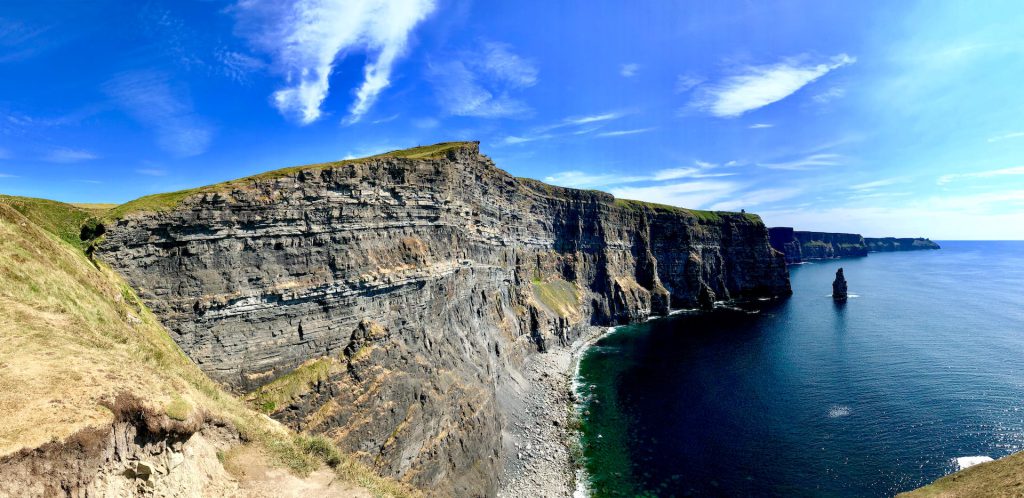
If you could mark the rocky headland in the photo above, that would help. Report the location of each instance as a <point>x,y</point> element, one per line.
<point>799,246</point>
<point>891,244</point>
<point>400,304</point>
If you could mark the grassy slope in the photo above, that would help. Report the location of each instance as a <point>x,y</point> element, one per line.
<point>75,335</point>
<point>712,216</point>
<point>1003,477</point>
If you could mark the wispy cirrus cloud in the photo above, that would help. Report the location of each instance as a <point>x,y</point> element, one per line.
<point>807,162</point>
<point>584,125</point>
<point>150,98</point>
<point>65,155</point>
<point>760,126</point>
<point>829,95</point>
<point>687,82</point>
<point>866,186</point>
<point>307,37</point>
<point>151,171</point>
<point>622,133</point>
<point>629,70</point>
<point>480,84</point>
<point>1006,136</point>
<point>580,179</point>
<point>1016,170</point>
<point>757,86</point>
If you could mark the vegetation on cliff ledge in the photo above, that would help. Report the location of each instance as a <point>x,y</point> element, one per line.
<point>708,216</point>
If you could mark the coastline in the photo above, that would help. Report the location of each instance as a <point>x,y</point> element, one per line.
<point>538,441</point>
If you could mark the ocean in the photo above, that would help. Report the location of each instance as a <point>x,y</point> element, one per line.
<point>806,397</point>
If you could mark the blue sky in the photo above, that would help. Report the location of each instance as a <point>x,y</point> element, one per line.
<point>884,118</point>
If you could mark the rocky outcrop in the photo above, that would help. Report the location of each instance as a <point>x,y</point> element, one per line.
<point>411,288</point>
<point>890,244</point>
<point>839,292</point>
<point>801,246</point>
<point>141,453</point>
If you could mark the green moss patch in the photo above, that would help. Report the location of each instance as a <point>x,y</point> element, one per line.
<point>559,296</point>
<point>279,393</point>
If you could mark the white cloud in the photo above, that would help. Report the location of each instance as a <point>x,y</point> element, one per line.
<point>383,120</point>
<point>149,98</point>
<point>509,67</point>
<point>579,179</point>
<point>1008,136</point>
<point>620,133</point>
<point>696,194</point>
<point>238,66</point>
<point>480,85</point>
<point>809,162</point>
<point>629,70</point>
<point>151,172</point>
<point>829,95</point>
<point>307,37</point>
<point>758,86</point>
<point>64,155</point>
<point>877,184</point>
<point>687,82</point>
<point>544,132</point>
<point>759,126</point>
<point>755,198</point>
<point>5,175</point>
<point>1017,170</point>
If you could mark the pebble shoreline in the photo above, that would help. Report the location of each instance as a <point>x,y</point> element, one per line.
<point>537,440</point>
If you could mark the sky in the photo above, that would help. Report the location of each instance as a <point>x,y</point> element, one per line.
<point>875,117</point>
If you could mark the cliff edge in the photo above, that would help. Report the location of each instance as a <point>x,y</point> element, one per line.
<point>385,301</point>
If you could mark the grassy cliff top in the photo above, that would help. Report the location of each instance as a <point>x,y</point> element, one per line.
<point>169,200</point>
<point>75,336</point>
<point>714,216</point>
<point>1003,477</point>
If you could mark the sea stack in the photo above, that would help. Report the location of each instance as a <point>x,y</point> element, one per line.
<point>839,286</point>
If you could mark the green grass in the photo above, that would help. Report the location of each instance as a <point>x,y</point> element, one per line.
<point>999,478</point>
<point>709,216</point>
<point>279,393</point>
<point>75,333</point>
<point>170,200</point>
<point>558,296</point>
<point>63,220</point>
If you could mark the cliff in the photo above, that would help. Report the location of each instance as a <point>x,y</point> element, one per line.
<point>800,246</point>
<point>98,401</point>
<point>385,301</point>
<point>889,244</point>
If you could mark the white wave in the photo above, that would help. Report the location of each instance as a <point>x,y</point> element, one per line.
<point>968,461</point>
<point>838,411</point>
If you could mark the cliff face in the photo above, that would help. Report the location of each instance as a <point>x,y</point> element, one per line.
<point>889,244</point>
<point>799,246</point>
<point>383,302</point>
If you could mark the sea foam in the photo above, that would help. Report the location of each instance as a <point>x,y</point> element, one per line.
<point>967,461</point>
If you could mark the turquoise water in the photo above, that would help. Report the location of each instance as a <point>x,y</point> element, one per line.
<point>804,397</point>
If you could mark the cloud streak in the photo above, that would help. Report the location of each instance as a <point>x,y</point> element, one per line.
<point>64,155</point>
<point>804,163</point>
<point>629,70</point>
<point>1008,136</point>
<point>307,37</point>
<point>757,86</point>
<point>1017,170</point>
<point>480,83</point>
<point>150,99</point>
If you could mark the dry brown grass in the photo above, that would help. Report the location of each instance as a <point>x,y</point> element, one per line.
<point>75,336</point>
<point>1000,478</point>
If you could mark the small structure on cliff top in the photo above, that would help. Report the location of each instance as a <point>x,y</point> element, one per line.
<point>839,286</point>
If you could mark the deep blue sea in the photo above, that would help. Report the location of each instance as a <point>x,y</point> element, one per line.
<point>805,397</point>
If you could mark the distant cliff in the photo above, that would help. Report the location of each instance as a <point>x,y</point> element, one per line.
<point>799,246</point>
<point>385,301</point>
<point>888,244</point>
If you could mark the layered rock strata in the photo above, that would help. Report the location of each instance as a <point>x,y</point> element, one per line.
<point>890,244</point>
<point>385,301</point>
<point>801,246</point>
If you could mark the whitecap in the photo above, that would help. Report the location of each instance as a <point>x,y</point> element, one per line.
<point>968,461</point>
<point>837,411</point>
